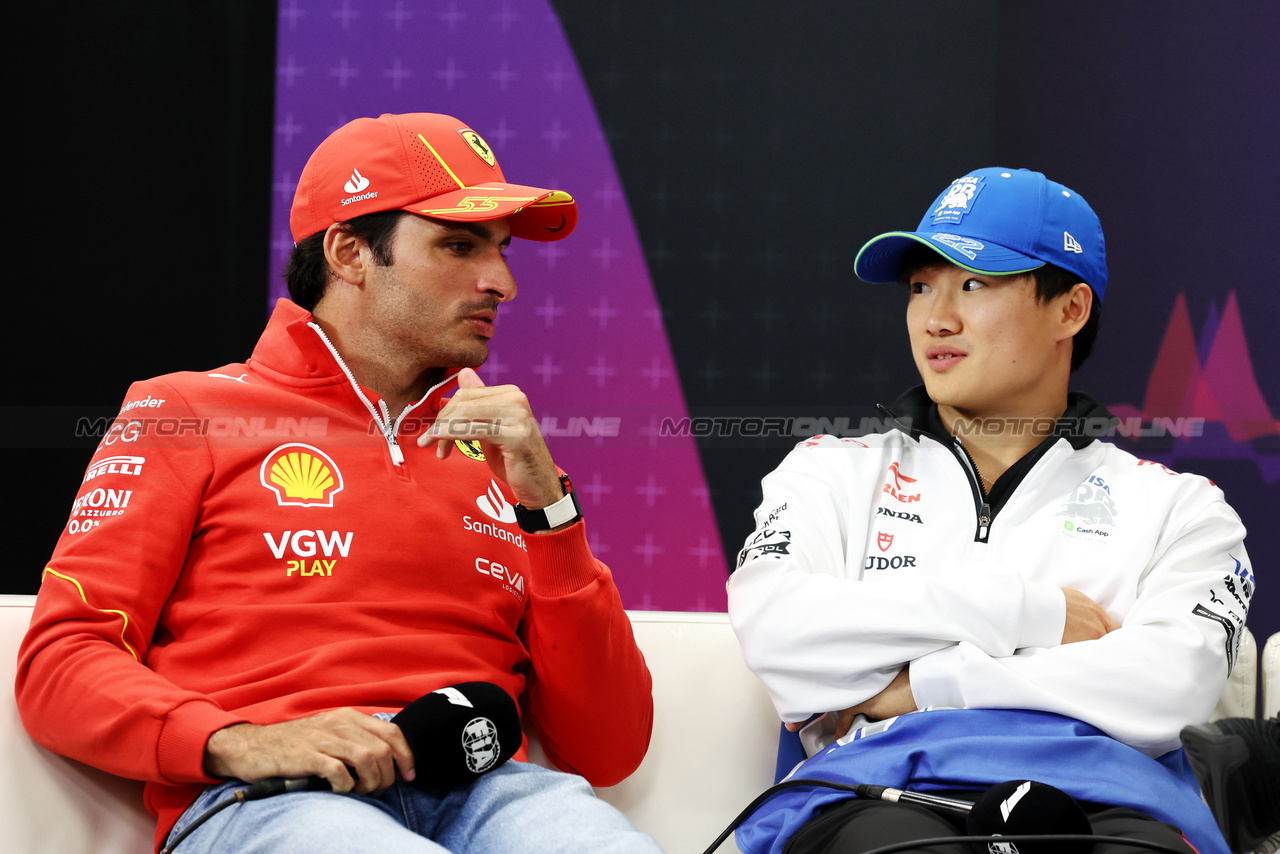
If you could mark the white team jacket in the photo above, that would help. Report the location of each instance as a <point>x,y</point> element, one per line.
<point>870,553</point>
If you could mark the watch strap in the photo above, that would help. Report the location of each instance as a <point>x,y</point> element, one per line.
<point>558,513</point>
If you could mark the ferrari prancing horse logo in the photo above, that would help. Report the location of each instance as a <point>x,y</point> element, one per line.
<point>478,145</point>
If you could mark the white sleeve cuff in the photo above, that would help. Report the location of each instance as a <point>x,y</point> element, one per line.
<point>1044,616</point>
<point>934,679</point>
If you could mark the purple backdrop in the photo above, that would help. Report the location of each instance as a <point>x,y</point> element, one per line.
<point>585,337</point>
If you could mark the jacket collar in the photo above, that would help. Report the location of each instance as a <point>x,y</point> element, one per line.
<point>293,352</point>
<point>1082,421</point>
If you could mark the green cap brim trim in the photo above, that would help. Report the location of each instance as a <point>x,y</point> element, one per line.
<point>941,254</point>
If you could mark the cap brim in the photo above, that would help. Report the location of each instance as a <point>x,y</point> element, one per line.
<point>880,258</point>
<point>534,213</point>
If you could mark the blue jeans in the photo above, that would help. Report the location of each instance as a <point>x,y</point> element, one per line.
<point>517,807</point>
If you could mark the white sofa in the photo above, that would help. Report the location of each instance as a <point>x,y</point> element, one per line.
<point>713,747</point>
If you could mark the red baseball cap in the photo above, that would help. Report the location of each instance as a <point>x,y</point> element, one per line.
<point>423,163</point>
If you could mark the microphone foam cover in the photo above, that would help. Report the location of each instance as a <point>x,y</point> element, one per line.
<point>1027,807</point>
<point>459,733</point>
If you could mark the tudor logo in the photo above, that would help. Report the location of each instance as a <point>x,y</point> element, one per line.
<point>494,504</point>
<point>478,145</point>
<point>895,562</point>
<point>884,541</point>
<point>357,182</point>
<point>301,476</point>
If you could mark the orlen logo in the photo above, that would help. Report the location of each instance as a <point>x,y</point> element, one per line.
<point>494,504</point>
<point>301,476</point>
<point>896,489</point>
<point>357,183</point>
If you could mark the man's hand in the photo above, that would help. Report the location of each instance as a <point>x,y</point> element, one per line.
<point>895,699</point>
<point>500,419</point>
<point>1086,619</point>
<point>322,745</point>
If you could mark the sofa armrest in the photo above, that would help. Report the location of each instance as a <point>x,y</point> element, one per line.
<point>715,733</point>
<point>1240,695</point>
<point>1271,677</point>
<point>49,803</point>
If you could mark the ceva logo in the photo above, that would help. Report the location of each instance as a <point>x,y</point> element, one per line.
<point>357,182</point>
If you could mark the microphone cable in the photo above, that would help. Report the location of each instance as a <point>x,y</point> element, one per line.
<point>261,789</point>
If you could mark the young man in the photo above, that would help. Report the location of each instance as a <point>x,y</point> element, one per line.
<point>268,560</point>
<point>1054,608</point>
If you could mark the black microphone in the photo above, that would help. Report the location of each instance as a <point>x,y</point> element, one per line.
<point>459,733</point>
<point>1027,807</point>
<point>456,734</point>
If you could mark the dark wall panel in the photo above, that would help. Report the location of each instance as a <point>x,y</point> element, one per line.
<point>144,151</point>
<point>760,147</point>
<point>758,150</point>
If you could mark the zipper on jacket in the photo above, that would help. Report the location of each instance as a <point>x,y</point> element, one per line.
<point>397,453</point>
<point>980,503</point>
<point>975,480</point>
<point>385,424</point>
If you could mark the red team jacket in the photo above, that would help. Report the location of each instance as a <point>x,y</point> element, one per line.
<point>247,546</point>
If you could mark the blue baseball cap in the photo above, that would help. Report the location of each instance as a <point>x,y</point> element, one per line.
<point>999,222</point>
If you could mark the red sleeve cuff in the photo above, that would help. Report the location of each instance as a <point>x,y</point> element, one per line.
<point>180,753</point>
<point>563,562</point>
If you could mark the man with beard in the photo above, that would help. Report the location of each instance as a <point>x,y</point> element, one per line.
<point>268,560</point>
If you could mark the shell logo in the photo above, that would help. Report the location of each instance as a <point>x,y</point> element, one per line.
<point>301,476</point>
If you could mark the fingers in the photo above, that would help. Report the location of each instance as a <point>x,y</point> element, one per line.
<point>468,378</point>
<point>1085,618</point>
<point>844,721</point>
<point>490,414</point>
<point>332,745</point>
<point>365,745</point>
<point>501,420</point>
